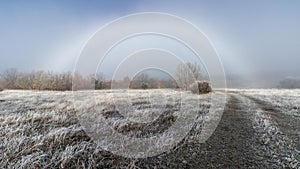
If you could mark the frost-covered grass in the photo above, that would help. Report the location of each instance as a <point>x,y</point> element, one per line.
<point>278,146</point>
<point>36,128</point>
<point>277,122</point>
<point>40,129</point>
<point>287,100</point>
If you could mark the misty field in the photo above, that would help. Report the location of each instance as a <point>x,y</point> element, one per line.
<point>42,129</point>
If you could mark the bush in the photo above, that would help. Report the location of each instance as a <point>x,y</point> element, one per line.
<point>200,87</point>
<point>144,86</point>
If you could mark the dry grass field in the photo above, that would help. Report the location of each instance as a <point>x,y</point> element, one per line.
<point>44,129</point>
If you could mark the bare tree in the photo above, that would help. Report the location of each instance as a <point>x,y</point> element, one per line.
<point>140,81</point>
<point>99,80</point>
<point>1,86</point>
<point>9,78</point>
<point>25,81</point>
<point>187,73</point>
<point>82,82</point>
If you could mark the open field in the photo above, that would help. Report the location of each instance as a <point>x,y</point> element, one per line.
<point>258,129</point>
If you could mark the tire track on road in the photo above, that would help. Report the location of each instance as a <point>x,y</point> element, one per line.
<point>288,124</point>
<point>277,131</point>
<point>232,145</point>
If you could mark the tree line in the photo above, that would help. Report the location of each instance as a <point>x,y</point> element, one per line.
<point>186,74</point>
<point>35,80</point>
<point>42,80</point>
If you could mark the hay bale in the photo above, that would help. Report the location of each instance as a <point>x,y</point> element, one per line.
<point>200,87</point>
<point>194,88</point>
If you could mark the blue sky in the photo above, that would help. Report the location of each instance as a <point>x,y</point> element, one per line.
<point>251,37</point>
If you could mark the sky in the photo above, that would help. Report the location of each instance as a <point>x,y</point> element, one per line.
<point>253,38</point>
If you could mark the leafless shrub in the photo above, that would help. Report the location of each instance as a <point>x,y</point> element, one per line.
<point>9,78</point>
<point>187,73</point>
<point>36,80</point>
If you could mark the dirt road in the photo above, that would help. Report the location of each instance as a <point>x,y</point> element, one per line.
<point>247,137</point>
